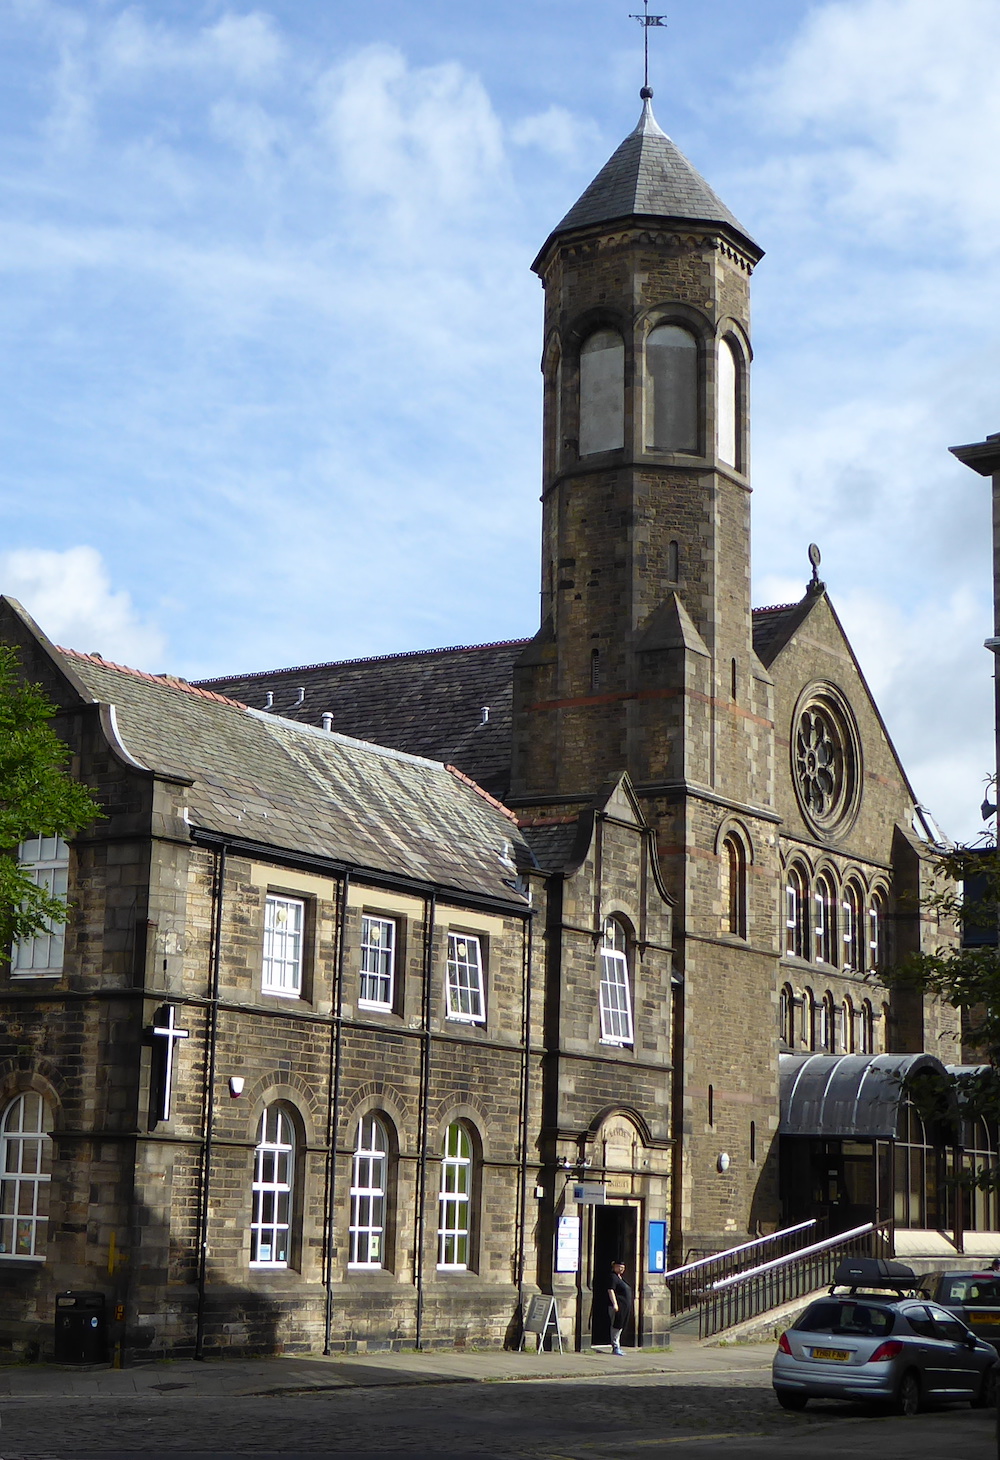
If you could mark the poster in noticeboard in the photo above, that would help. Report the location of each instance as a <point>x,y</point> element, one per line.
<point>568,1244</point>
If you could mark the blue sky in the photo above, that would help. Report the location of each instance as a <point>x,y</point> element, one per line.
<point>270,340</point>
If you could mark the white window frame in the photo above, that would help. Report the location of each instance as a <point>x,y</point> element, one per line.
<point>273,1189</point>
<point>615,993</point>
<point>455,1200</point>
<point>369,1180</point>
<point>24,1181</point>
<point>283,947</point>
<point>378,962</point>
<point>465,994</point>
<point>876,932</point>
<point>45,860</point>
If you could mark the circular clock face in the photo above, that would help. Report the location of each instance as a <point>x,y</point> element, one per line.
<point>826,760</point>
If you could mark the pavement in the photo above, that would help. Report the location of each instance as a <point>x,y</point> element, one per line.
<point>229,1378</point>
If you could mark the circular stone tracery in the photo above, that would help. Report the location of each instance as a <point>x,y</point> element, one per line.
<point>826,756</point>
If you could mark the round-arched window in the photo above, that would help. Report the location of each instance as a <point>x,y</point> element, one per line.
<point>602,392</point>
<point>671,389</point>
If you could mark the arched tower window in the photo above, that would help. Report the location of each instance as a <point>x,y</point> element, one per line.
<point>735,868</point>
<point>825,903</point>
<point>671,389</point>
<point>786,1016</point>
<point>796,914</point>
<point>853,930</point>
<point>602,392</point>
<point>729,404</point>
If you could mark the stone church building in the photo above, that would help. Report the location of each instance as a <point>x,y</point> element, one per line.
<point>396,991</point>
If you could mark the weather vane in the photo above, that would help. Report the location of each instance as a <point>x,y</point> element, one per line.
<point>646,20</point>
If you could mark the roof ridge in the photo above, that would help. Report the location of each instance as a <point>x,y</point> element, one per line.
<point>776,607</point>
<point>170,681</point>
<point>497,805</point>
<point>368,659</point>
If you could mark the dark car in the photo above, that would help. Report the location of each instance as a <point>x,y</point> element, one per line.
<point>887,1346</point>
<point>972,1296</point>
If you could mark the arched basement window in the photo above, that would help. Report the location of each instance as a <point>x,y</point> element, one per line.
<point>602,392</point>
<point>671,389</point>
<point>728,418</point>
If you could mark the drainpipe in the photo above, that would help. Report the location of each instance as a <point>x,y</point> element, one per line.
<point>430,908</point>
<point>208,1108</point>
<point>333,1110</point>
<point>523,1122</point>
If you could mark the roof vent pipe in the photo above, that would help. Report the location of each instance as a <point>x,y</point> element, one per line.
<point>302,697</point>
<point>485,712</point>
<point>269,700</point>
<point>327,721</point>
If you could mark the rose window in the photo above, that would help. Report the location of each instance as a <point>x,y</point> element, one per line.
<point>826,761</point>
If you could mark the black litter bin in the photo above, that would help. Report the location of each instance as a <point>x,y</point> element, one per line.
<point>81,1328</point>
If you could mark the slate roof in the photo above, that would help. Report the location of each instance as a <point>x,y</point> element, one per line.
<point>649,177</point>
<point>292,787</point>
<point>773,627</point>
<point>428,703</point>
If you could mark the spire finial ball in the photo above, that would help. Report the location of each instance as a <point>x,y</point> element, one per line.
<point>646,94</point>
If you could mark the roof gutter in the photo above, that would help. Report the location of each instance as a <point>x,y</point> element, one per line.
<point>335,867</point>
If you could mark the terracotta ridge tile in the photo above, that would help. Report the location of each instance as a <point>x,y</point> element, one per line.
<point>775,608</point>
<point>169,680</point>
<point>468,781</point>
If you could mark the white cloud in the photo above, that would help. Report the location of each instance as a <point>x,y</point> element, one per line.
<point>70,595</point>
<point>246,47</point>
<point>558,132</point>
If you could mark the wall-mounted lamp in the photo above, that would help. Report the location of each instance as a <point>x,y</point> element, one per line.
<point>236,1083</point>
<point>722,1164</point>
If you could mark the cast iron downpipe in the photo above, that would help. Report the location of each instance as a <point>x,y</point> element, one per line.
<point>208,1111</point>
<point>333,1109</point>
<point>430,914</point>
<point>527,928</point>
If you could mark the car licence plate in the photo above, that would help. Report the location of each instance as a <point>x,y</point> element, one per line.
<point>838,1355</point>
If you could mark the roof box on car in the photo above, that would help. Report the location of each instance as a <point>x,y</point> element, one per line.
<point>873,1272</point>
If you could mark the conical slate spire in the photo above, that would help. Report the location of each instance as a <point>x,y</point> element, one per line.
<point>649,177</point>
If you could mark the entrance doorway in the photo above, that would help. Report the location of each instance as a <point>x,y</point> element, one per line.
<point>615,1232</point>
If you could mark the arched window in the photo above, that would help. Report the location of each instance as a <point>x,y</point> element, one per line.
<point>914,1171</point>
<point>867,1028</point>
<point>615,996</point>
<point>729,404</point>
<point>602,392</point>
<point>25,1159</point>
<point>847,1034</point>
<point>273,1184</point>
<point>876,932</point>
<point>827,1023</point>
<point>369,1182</point>
<point>671,389</point>
<point>825,904</point>
<point>853,932</point>
<point>796,914</point>
<point>786,1016</point>
<point>735,867</point>
<point>455,1199</point>
<point>812,1020</point>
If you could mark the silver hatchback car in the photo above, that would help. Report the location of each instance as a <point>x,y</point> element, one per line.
<point>882,1347</point>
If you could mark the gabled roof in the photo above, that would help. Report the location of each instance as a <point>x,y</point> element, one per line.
<point>295,788</point>
<point>649,177</point>
<point>428,703</point>
<point>773,627</point>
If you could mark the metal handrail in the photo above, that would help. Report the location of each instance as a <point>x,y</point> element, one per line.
<point>739,1277</point>
<point>750,1294</point>
<point>743,1247</point>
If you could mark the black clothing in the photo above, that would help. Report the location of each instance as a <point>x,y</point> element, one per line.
<point>623,1293</point>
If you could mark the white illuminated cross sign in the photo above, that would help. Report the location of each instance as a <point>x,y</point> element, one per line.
<point>164,1028</point>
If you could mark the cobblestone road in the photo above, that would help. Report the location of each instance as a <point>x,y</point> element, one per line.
<point>725,1414</point>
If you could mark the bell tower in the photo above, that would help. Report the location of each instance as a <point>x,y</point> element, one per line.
<point>646,524</point>
<point>644,660</point>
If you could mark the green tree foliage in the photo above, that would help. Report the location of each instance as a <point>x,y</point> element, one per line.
<point>37,798</point>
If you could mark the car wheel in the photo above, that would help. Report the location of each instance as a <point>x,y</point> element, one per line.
<point>908,1394</point>
<point>791,1399</point>
<point>987,1396</point>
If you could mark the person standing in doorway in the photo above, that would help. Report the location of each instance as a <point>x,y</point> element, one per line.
<point>619,1305</point>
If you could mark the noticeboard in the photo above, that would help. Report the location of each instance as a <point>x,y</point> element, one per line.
<point>568,1244</point>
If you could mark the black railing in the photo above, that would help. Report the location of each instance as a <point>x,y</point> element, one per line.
<point>687,1285</point>
<point>748,1294</point>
